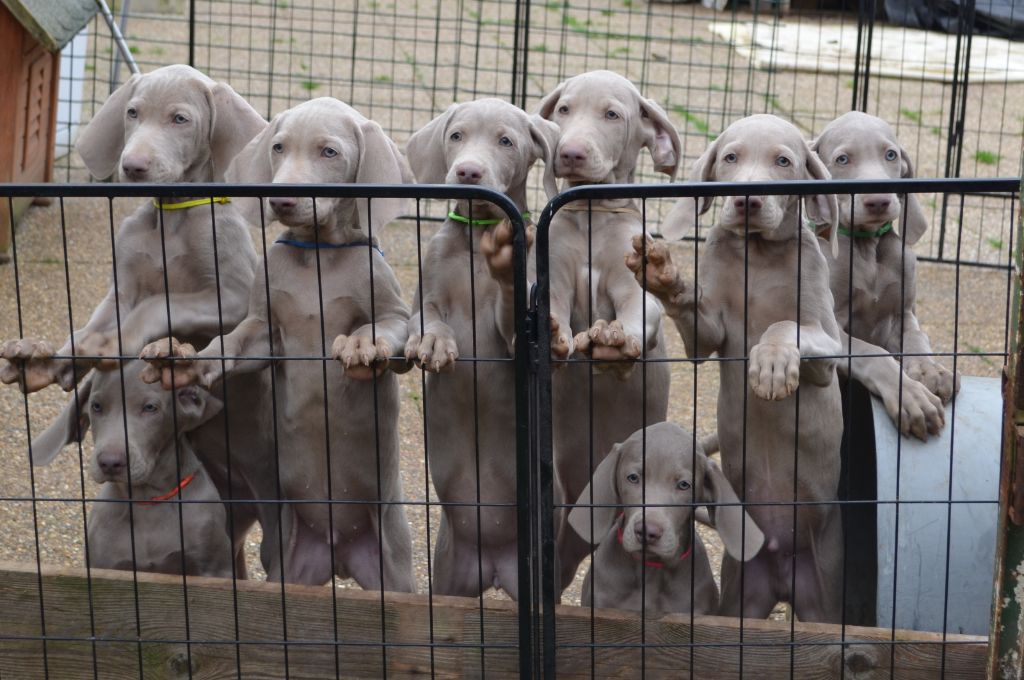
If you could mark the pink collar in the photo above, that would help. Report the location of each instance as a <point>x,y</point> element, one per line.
<point>657,564</point>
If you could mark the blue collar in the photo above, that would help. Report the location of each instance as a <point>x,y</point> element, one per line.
<point>312,245</point>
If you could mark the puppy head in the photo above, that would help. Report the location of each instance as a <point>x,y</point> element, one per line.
<point>656,493</point>
<point>324,141</point>
<point>763,148</point>
<point>859,146</point>
<point>604,121</point>
<point>171,125</point>
<point>488,143</point>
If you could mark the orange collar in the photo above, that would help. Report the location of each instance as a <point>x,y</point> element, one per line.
<point>657,564</point>
<point>170,494</point>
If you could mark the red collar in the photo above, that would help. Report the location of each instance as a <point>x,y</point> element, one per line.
<point>657,564</point>
<point>170,494</point>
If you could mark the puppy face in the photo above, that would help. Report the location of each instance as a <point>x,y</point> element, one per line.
<point>147,412</point>
<point>758,150</point>
<point>314,143</point>
<point>665,481</point>
<point>167,121</point>
<point>858,146</point>
<point>604,122</point>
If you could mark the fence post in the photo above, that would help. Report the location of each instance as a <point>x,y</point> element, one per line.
<point>1006,648</point>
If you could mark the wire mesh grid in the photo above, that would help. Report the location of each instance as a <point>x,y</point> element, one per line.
<point>194,626</point>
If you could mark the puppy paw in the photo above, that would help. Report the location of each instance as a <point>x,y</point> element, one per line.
<point>651,264</point>
<point>933,375</point>
<point>609,341</point>
<point>362,358</point>
<point>162,355</point>
<point>918,412</point>
<point>101,348</point>
<point>30,364</point>
<point>434,352</point>
<point>496,247</point>
<point>774,370</point>
<point>562,345</point>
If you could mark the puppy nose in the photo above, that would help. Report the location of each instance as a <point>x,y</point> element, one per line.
<point>648,532</point>
<point>573,153</point>
<point>469,173</point>
<point>282,203</point>
<point>135,167</point>
<point>112,463</point>
<point>749,203</point>
<point>876,204</point>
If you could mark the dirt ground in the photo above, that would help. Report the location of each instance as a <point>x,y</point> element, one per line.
<point>402,77</point>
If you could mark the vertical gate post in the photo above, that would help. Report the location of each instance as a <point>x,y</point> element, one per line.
<point>1006,648</point>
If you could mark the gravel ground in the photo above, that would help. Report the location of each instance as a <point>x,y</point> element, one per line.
<point>976,325</point>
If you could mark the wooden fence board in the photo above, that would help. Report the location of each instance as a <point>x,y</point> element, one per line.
<point>157,643</point>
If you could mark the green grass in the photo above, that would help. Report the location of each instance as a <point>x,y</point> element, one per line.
<point>539,48</point>
<point>911,115</point>
<point>618,51</point>
<point>382,78</point>
<point>996,243</point>
<point>974,349</point>
<point>309,85</point>
<point>694,120</point>
<point>937,131</point>
<point>555,5</point>
<point>987,157</point>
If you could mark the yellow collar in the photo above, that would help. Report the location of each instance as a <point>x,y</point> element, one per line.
<point>190,204</point>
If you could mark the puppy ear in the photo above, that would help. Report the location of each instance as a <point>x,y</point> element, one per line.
<point>425,149</point>
<point>661,138</point>
<point>740,534</point>
<point>380,162</point>
<point>101,142</point>
<point>252,165</point>
<point>545,140</point>
<point>602,483</point>
<point>70,426</point>
<point>234,124</point>
<point>195,407</point>
<point>912,218</point>
<point>682,218</point>
<point>547,104</point>
<point>821,208</point>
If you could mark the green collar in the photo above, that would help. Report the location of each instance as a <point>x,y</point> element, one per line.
<point>452,215</point>
<point>884,229</point>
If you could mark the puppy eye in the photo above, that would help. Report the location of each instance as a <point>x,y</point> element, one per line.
<point>842,159</point>
<point>132,112</point>
<point>683,485</point>
<point>633,478</point>
<point>455,136</point>
<point>180,119</point>
<point>149,408</point>
<point>329,152</point>
<point>729,158</point>
<point>505,141</point>
<point>278,148</point>
<point>95,407</point>
<point>782,162</point>
<point>611,115</point>
<point>890,155</point>
<point>563,109</point>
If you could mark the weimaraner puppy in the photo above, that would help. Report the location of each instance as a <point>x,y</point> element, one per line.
<point>644,496</point>
<point>876,305</point>
<point>329,253</point>
<point>465,309</point>
<point>604,122</point>
<point>171,125</point>
<point>151,464</point>
<point>790,343</point>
